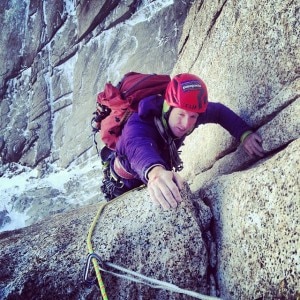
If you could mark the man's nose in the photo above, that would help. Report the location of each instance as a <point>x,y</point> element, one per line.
<point>185,122</point>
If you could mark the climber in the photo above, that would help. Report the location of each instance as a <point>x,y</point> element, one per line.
<point>147,150</point>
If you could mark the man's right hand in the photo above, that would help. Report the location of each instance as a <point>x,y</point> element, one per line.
<point>164,187</point>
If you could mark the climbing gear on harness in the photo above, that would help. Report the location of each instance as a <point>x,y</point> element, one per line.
<point>187,91</point>
<point>112,184</point>
<point>99,265</point>
<point>112,188</point>
<point>175,160</point>
<point>113,174</point>
<point>101,113</point>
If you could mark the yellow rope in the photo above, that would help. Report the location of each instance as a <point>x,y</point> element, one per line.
<point>90,246</point>
<point>90,249</point>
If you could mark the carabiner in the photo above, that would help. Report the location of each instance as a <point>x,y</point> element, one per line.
<point>89,281</point>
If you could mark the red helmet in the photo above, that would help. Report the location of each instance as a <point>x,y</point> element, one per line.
<point>187,91</point>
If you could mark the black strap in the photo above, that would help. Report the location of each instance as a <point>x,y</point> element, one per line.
<point>175,160</point>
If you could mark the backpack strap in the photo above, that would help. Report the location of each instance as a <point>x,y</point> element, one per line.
<point>175,159</point>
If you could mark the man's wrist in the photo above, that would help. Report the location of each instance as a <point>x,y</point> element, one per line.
<point>153,169</point>
<point>245,135</point>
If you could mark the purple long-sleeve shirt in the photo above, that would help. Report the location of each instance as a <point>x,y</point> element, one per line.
<point>141,145</point>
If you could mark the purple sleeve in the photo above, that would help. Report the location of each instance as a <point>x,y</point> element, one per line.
<point>140,143</point>
<point>222,115</point>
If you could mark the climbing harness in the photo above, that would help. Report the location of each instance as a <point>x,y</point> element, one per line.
<point>99,265</point>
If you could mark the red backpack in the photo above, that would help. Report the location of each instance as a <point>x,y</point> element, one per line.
<point>115,104</point>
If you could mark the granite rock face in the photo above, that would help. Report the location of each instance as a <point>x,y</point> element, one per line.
<point>247,53</point>
<point>59,55</point>
<point>257,227</point>
<point>131,232</point>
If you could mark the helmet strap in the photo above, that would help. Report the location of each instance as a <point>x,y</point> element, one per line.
<point>166,110</point>
<point>175,161</point>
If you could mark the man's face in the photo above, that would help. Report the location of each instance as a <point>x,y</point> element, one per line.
<point>181,121</point>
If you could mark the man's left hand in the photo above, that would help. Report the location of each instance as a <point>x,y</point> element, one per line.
<point>252,145</point>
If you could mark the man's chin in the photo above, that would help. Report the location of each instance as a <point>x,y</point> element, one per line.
<point>179,134</point>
